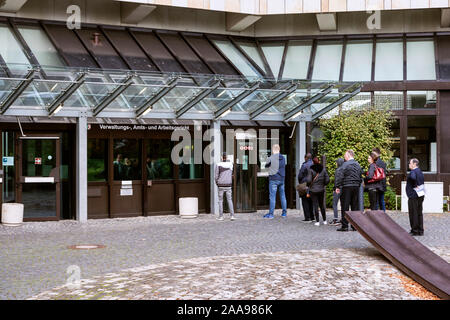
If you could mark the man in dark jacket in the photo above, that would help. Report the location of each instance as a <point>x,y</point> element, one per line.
<point>380,163</point>
<point>317,180</point>
<point>336,196</point>
<point>277,171</point>
<point>415,193</point>
<point>348,182</point>
<point>306,202</point>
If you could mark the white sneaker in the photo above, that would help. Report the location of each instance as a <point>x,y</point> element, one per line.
<point>325,222</point>
<point>220,218</point>
<point>232,218</point>
<point>317,224</point>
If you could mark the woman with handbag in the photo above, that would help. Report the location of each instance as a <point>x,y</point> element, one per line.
<point>373,181</point>
<point>317,180</point>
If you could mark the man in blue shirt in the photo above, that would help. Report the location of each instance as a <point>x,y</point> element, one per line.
<point>306,201</point>
<point>414,185</point>
<point>277,171</point>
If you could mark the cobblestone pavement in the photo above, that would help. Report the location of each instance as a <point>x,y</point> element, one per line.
<point>203,258</point>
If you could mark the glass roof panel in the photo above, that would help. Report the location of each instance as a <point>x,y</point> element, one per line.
<point>90,94</point>
<point>41,93</point>
<point>291,101</point>
<point>6,87</point>
<point>134,96</point>
<point>176,98</point>
<point>255,100</point>
<point>217,99</point>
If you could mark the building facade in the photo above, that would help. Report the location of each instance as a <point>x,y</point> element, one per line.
<point>88,111</point>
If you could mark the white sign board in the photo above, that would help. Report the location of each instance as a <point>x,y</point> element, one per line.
<point>8,161</point>
<point>434,197</point>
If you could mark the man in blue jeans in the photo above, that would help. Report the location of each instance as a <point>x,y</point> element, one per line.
<point>277,172</point>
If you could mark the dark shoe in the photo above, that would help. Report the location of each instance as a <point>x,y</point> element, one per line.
<point>306,220</point>
<point>335,222</point>
<point>353,229</point>
<point>342,229</point>
<point>413,234</point>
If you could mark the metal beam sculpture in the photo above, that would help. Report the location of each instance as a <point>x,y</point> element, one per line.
<point>66,94</point>
<point>336,103</point>
<point>17,91</point>
<point>230,104</point>
<point>403,250</point>
<point>146,106</point>
<point>199,97</point>
<point>113,95</point>
<point>266,105</point>
<point>307,103</point>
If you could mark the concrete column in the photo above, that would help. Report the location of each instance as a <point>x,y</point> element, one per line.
<point>81,173</point>
<point>217,150</point>
<point>300,151</point>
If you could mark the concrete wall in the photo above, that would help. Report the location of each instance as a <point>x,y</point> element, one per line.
<point>109,12</point>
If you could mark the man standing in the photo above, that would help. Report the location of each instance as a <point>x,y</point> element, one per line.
<point>348,181</point>
<point>416,194</point>
<point>306,201</point>
<point>380,163</point>
<point>277,172</point>
<point>224,180</point>
<point>336,196</point>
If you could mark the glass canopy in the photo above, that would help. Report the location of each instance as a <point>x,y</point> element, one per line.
<point>137,94</point>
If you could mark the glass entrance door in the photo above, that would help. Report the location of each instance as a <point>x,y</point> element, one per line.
<point>39,177</point>
<point>245,181</point>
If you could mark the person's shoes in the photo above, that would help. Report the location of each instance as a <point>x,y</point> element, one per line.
<point>317,224</point>
<point>232,218</point>
<point>334,222</point>
<point>353,229</point>
<point>306,220</point>
<point>283,215</point>
<point>414,233</point>
<point>342,229</point>
<point>325,223</point>
<point>220,218</point>
<point>268,216</point>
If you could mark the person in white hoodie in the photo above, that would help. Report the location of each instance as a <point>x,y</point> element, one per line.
<point>224,181</point>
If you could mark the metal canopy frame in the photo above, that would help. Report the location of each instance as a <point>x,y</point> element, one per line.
<point>141,110</point>
<point>331,106</point>
<point>308,102</point>
<point>280,96</point>
<point>113,95</point>
<point>199,97</point>
<point>230,104</point>
<point>17,91</point>
<point>43,102</point>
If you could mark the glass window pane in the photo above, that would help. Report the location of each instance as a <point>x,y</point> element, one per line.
<point>395,161</point>
<point>236,58</point>
<point>297,60</point>
<point>420,59</point>
<point>42,48</point>
<point>158,162</point>
<point>422,141</point>
<point>127,159</point>
<point>388,99</point>
<point>358,61</point>
<point>39,158</point>
<point>421,100</point>
<point>327,63</point>
<point>97,155</point>
<point>8,174</point>
<point>11,51</point>
<point>190,170</point>
<point>389,60</point>
<point>274,56</point>
<point>252,51</point>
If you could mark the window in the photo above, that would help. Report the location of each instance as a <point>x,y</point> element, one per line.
<point>421,100</point>
<point>252,51</point>
<point>297,60</point>
<point>11,51</point>
<point>420,59</point>
<point>392,100</point>
<point>422,141</point>
<point>274,54</point>
<point>97,154</point>
<point>389,60</point>
<point>190,170</point>
<point>127,159</point>
<point>358,61</point>
<point>394,163</point>
<point>238,59</point>
<point>327,63</point>
<point>158,163</point>
<point>42,48</point>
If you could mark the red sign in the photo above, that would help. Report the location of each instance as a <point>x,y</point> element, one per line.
<point>246,148</point>
<point>37,160</point>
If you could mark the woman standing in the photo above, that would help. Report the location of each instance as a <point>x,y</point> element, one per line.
<point>372,185</point>
<point>317,180</point>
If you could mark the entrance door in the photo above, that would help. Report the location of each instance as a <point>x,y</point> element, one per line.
<point>245,180</point>
<point>38,185</point>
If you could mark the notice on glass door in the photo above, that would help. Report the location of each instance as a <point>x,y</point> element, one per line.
<point>8,161</point>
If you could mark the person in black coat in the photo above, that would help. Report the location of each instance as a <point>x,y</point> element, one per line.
<point>414,182</point>
<point>374,187</point>
<point>380,163</point>
<point>306,201</point>
<point>317,180</point>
